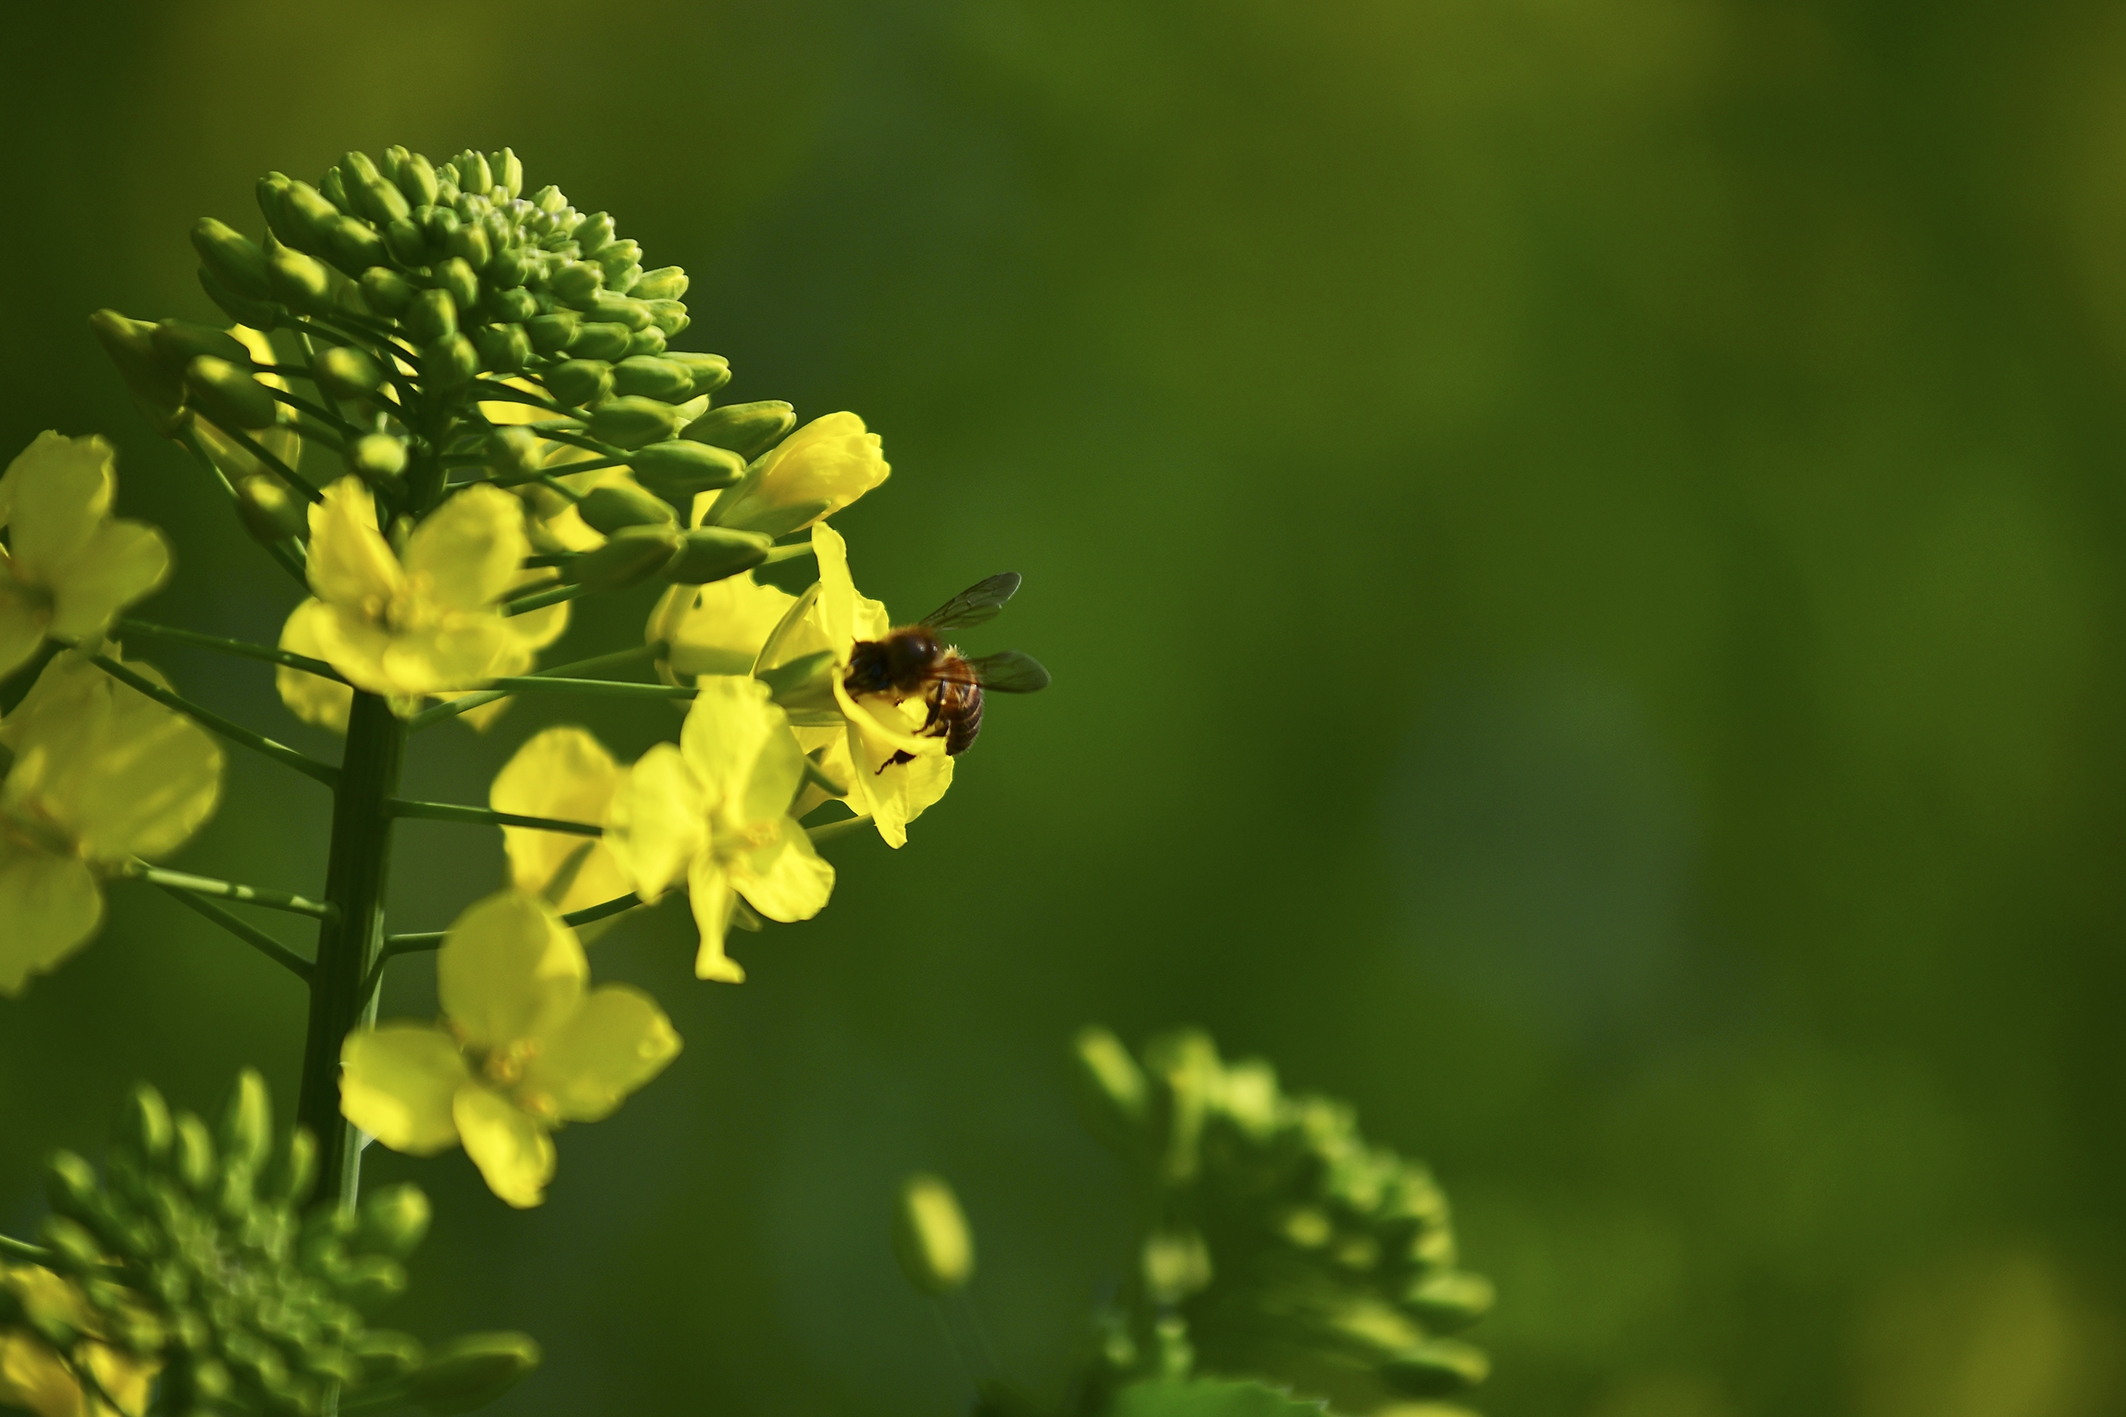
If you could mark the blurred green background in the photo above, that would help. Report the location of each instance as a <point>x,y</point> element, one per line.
<point>1578,544</point>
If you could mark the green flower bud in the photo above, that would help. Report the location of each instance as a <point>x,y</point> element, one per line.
<point>229,395</point>
<point>309,219</point>
<point>383,203</point>
<point>619,280</point>
<point>297,281</point>
<point>552,333</point>
<point>747,429</point>
<point>653,378</point>
<point>1449,1301</point>
<point>509,307</point>
<point>272,193</point>
<point>669,316</point>
<point>471,244</point>
<point>930,1236</point>
<point>618,504</point>
<point>353,246</point>
<point>505,348</point>
<point>236,1195</point>
<point>600,341</point>
<point>514,454</point>
<point>580,382</point>
<point>346,372</point>
<point>131,346</point>
<point>377,458</point>
<point>627,421</point>
<point>371,1281</point>
<point>596,233</point>
<point>407,244</point>
<point>617,309</point>
<point>179,342</point>
<point>235,259</point>
<point>455,275</point>
<point>74,1248</point>
<point>417,179</point>
<point>144,1126</point>
<point>387,292</point>
<point>247,1122</point>
<point>438,225</point>
<point>295,1172</point>
<point>333,186</point>
<point>70,1185</point>
<point>630,556</point>
<point>649,341</point>
<point>452,362</point>
<point>664,283</point>
<point>1436,1368</point>
<point>578,282</point>
<point>270,512</point>
<point>356,169</point>
<point>1112,1093</point>
<point>432,316</point>
<point>679,470</point>
<point>714,553</point>
<point>507,172</point>
<point>710,371</point>
<point>240,308</point>
<point>617,257</point>
<point>471,1371</point>
<point>394,1218</point>
<point>473,173</point>
<point>385,1353</point>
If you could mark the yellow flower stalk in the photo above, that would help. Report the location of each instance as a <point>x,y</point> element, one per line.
<point>716,628</point>
<point>566,774</point>
<point>70,566</point>
<point>813,473</point>
<point>524,1048</point>
<point>431,623</point>
<point>33,1375</point>
<point>715,812</point>
<point>100,774</point>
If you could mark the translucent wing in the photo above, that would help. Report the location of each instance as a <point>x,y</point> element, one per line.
<point>978,603</point>
<point>1011,672</point>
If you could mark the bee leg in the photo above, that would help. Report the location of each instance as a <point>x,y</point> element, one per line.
<point>900,755</point>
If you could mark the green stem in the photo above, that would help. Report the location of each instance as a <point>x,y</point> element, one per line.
<point>551,596</point>
<point>482,817</point>
<point>242,650</point>
<point>280,469</point>
<point>488,391</point>
<point>231,890</point>
<point>331,420</point>
<point>355,877</point>
<point>290,561</point>
<point>830,830</point>
<point>465,703</point>
<point>787,553</point>
<point>250,934</point>
<point>234,732</point>
<point>608,688</point>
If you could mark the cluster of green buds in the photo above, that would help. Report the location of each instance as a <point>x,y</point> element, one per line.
<point>1284,1247</point>
<point>195,1255</point>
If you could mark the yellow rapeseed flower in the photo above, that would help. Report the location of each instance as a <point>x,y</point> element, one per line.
<point>524,1048</point>
<point>70,566</point>
<point>716,628</point>
<point>432,623</point>
<point>34,1377</point>
<point>813,473</point>
<point>566,774</point>
<point>100,774</point>
<point>715,812</point>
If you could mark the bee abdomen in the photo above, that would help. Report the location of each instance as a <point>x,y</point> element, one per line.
<point>965,723</point>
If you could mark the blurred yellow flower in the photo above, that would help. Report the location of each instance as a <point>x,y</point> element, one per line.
<point>70,566</point>
<point>566,774</point>
<point>35,1378</point>
<point>524,1048</point>
<point>100,774</point>
<point>716,812</point>
<point>813,473</point>
<point>716,628</point>
<point>432,623</point>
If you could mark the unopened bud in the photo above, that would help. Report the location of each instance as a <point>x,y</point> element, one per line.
<point>803,684</point>
<point>1111,1089</point>
<point>371,1281</point>
<point>1436,1368</point>
<point>504,348</point>
<point>714,553</point>
<point>470,244</point>
<point>1449,1301</point>
<point>616,309</point>
<point>376,457</point>
<point>70,1185</point>
<point>383,203</point>
<point>595,233</point>
<point>513,307</point>
<point>73,1246</point>
<point>432,316</point>
<point>144,1126</point>
<point>600,340</point>
<point>296,1170</point>
<point>664,283</point>
<point>353,246</point>
<point>630,556</point>
<point>578,282</point>
<point>649,341</point>
<point>930,1236</point>
<point>456,276</point>
<point>617,504</point>
<point>235,259</point>
<point>506,172</point>
<point>258,314</point>
<point>357,169</point>
<point>678,470</point>
<point>131,346</point>
<point>269,510</point>
<point>710,371</point>
<point>272,193</point>
<point>631,422</point>
<point>513,453</point>
<point>346,372</point>
<point>653,378</point>
<point>334,187</point>
<point>308,219</point>
<point>394,1219</point>
<point>1176,1265</point>
<point>386,1353</point>
<point>298,281</point>
<point>179,342</point>
<point>554,331</point>
<point>247,1121</point>
<point>668,315</point>
<point>194,1154</point>
<point>616,257</point>
<point>229,395</point>
<point>473,173</point>
<point>471,1371</point>
<point>407,243</point>
<point>747,429</point>
<point>387,292</point>
<point>417,179</point>
<point>580,382</point>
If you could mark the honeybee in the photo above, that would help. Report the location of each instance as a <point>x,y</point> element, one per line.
<point>914,659</point>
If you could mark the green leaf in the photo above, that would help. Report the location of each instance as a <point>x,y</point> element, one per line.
<point>1204,1398</point>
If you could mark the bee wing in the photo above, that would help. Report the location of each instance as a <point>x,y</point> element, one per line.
<point>1011,672</point>
<point>976,604</point>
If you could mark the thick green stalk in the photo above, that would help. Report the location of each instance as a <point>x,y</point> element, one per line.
<point>355,879</point>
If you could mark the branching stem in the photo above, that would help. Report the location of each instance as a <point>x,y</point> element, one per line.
<point>239,648</point>
<point>235,732</point>
<point>231,890</point>
<point>482,816</point>
<point>250,934</point>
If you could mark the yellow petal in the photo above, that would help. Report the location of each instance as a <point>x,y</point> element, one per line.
<point>566,774</point>
<point>33,1377</point>
<point>656,822</point>
<point>513,1151</point>
<point>509,970</point>
<point>731,725</point>
<point>459,652</point>
<point>831,459</point>
<point>470,549</point>
<point>312,698</point>
<point>833,762</point>
<point>614,1044</point>
<point>836,608</point>
<point>49,907</point>
<point>396,1083</point>
<point>786,879</point>
<point>119,563</point>
<point>24,617</point>
<point>709,892</point>
<point>124,1377</point>
<point>888,725</point>
<point>353,643</point>
<point>535,629</point>
<point>717,628</point>
<point>895,794</point>
<point>351,565</point>
<point>57,491</point>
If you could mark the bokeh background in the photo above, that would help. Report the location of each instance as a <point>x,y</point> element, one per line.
<point>1579,544</point>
